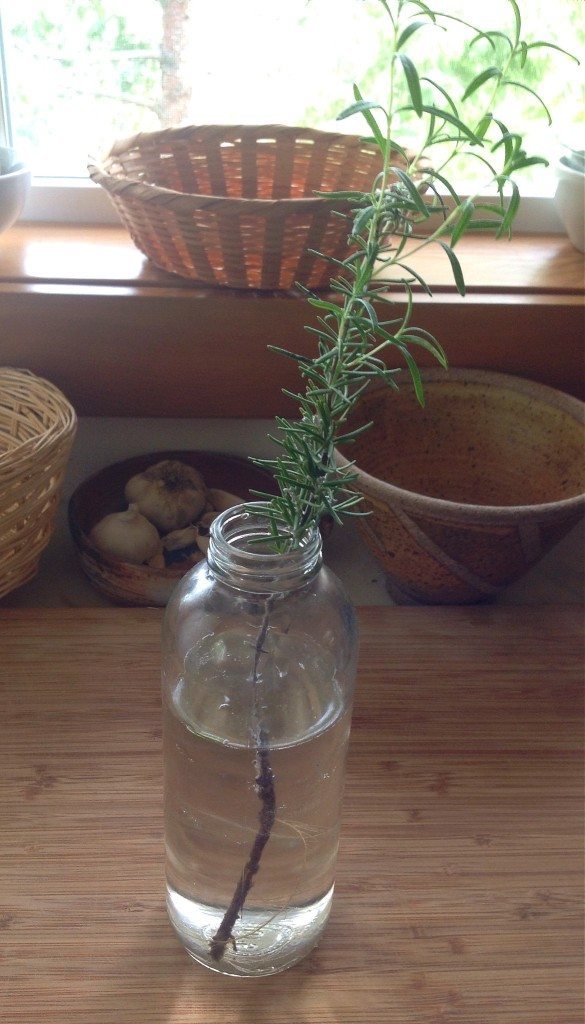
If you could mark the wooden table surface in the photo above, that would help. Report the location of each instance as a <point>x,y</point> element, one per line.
<point>460,874</point>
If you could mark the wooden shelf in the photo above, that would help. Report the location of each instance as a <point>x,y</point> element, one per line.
<point>459,883</point>
<point>80,305</point>
<point>56,254</point>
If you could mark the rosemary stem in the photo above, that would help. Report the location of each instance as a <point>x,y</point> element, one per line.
<point>264,785</point>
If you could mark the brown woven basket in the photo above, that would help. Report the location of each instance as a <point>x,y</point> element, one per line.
<point>37,428</point>
<point>235,205</point>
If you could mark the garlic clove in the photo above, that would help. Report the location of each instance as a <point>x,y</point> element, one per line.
<point>203,544</point>
<point>158,562</point>
<point>180,539</point>
<point>203,530</point>
<point>222,500</point>
<point>127,536</point>
<point>206,520</point>
<point>180,545</point>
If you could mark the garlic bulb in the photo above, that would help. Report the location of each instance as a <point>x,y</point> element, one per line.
<point>170,494</point>
<point>127,536</point>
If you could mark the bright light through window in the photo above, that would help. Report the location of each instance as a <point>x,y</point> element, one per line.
<point>82,74</point>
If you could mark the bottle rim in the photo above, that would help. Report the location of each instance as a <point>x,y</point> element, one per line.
<point>235,552</point>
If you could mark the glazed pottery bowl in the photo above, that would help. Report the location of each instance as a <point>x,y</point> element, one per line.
<point>468,493</point>
<point>103,493</point>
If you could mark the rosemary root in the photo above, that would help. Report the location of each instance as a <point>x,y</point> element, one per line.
<point>264,785</point>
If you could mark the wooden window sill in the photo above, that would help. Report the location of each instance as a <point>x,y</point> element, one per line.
<point>82,306</point>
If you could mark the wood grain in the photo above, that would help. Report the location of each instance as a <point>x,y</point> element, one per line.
<point>93,254</point>
<point>157,352</point>
<point>460,873</point>
<point>81,306</point>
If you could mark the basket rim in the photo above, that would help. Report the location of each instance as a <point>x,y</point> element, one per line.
<point>493,514</point>
<point>147,191</point>
<point>186,131</point>
<point>61,428</point>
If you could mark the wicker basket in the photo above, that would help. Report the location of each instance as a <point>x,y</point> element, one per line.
<point>235,205</point>
<point>37,428</point>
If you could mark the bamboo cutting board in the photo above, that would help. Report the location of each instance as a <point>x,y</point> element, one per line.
<point>460,874</point>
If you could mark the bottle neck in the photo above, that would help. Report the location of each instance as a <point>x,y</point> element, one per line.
<point>242,554</point>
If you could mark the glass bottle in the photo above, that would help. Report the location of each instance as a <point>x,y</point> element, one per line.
<point>259,659</point>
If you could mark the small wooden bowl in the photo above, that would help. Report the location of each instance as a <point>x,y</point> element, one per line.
<point>121,582</point>
<point>469,492</point>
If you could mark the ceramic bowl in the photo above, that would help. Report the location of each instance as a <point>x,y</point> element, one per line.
<point>469,492</point>
<point>121,582</point>
<point>14,188</point>
<point>570,203</point>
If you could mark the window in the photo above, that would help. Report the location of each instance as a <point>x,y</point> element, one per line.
<point>78,74</point>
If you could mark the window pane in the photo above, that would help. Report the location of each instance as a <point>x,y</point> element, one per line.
<point>83,73</point>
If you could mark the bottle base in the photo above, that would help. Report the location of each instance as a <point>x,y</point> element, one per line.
<point>265,943</point>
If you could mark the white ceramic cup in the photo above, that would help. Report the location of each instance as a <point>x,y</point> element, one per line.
<point>14,187</point>
<point>570,203</point>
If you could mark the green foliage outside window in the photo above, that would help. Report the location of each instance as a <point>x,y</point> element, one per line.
<point>84,72</point>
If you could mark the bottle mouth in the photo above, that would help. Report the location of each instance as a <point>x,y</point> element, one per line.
<point>242,552</point>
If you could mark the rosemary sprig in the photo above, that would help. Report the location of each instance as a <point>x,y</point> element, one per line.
<point>388,226</point>
<point>353,336</point>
